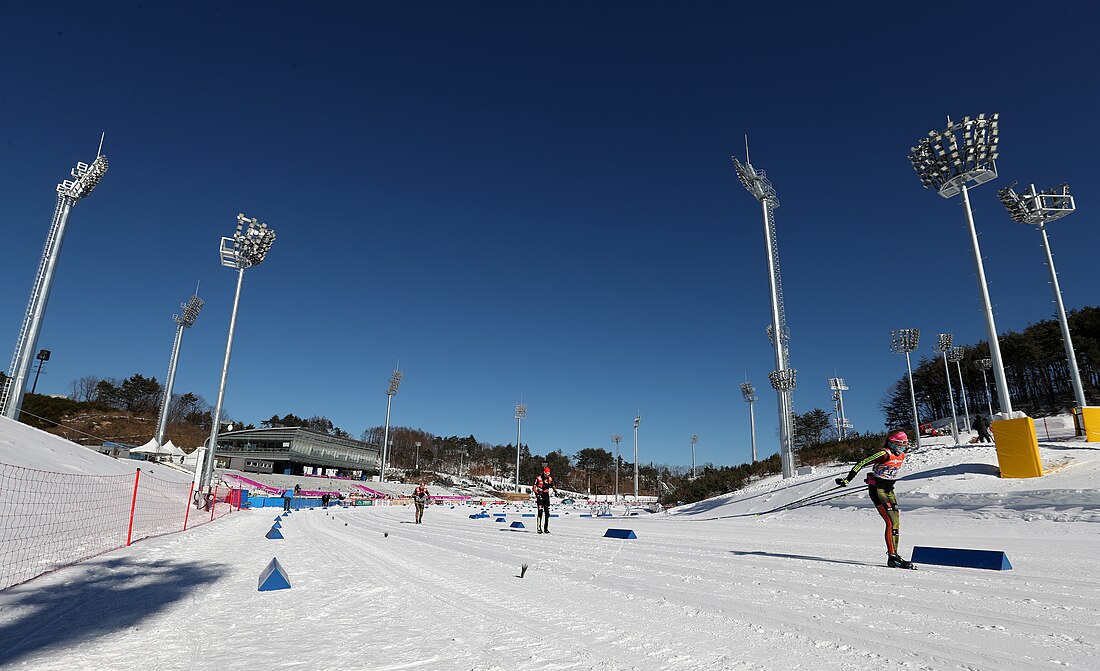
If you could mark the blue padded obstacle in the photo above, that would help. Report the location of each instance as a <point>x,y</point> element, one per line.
<point>274,533</point>
<point>584,514</point>
<point>501,519</point>
<point>605,515</point>
<point>517,525</point>
<point>273,577</point>
<point>528,514</point>
<point>286,513</point>
<point>995,560</point>
<point>276,518</point>
<point>499,514</point>
<point>619,533</point>
<point>276,525</point>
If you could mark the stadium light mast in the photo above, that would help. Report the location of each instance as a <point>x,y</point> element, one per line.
<point>417,460</point>
<point>837,385</point>
<point>694,439</point>
<point>84,180</point>
<point>749,392</point>
<point>783,377</point>
<point>43,356</point>
<point>521,412</point>
<point>189,312</point>
<point>943,346</point>
<point>1039,208</point>
<point>246,249</point>
<point>956,355</point>
<point>637,421</point>
<point>984,365</point>
<point>904,341</point>
<point>391,391</point>
<point>942,164</point>
<point>616,439</point>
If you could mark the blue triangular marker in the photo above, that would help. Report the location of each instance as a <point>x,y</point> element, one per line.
<point>273,577</point>
<point>274,534</point>
<point>276,525</point>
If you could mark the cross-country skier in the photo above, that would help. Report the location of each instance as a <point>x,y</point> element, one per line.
<point>421,498</point>
<point>886,464</point>
<point>543,484</point>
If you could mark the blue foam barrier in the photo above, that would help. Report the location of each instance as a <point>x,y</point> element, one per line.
<point>619,533</point>
<point>499,514</point>
<point>274,534</point>
<point>995,560</point>
<point>273,577</point>
<point>528,514</point>
<point>586,514</point>
<point>276,525</point>
<point>501,519</point>
<point>517,525</point>
<point>605,515</point>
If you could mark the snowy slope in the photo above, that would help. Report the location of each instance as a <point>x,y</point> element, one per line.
<point>698,589</point>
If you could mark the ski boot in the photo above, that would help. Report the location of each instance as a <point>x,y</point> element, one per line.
<point>895,561</point>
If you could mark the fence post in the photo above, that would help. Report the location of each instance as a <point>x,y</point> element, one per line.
<point>187,514</point>
<point>133,504</point>
<point>213,503</point>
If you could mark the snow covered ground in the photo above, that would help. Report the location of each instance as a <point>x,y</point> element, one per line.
<point>698,589</point>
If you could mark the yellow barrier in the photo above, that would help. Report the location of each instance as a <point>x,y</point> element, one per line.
<point>1017,448</point>
<point>1091,418</point>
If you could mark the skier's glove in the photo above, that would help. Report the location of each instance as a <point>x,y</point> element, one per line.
<point>842,482</point>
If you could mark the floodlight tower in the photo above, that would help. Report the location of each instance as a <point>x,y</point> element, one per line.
<point>416,463</point>
<point>694,439</point>
<point>943,347</point>
<point>984,365</point>
<point>783,378</point>
<point>956,355</point>
<point>521,412</point>
<point>637,421</point>
<point>616,439</point>
<point>84,179</point>
<point>190,312</point>
<point>1038,208</point>
<point>943,165</point>
<point>838,387</point>
<point>43,356</point>
<point>904,341</point>
<point>749,392</point>
<point>391,391</point>
<point>246,249</point>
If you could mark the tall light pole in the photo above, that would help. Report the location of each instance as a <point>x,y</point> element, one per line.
<point>942,164</point>
<point>246,249</point>
<point>616,438</point>
<point>43,356</point>
<point>694,439</point>
<point>391,391</point>
<point>1039,208</point>
<point>782,378</point>
<point>637,421</point>
<point>904,341</point>
<point>984,365</point>
<point>521,412</point>
<point>956,355</point>
<point>943,346</point>
<point>839,387</point>
<point>417,462</point>
<point>189,312</point>
<point>84,179</point>
<point>749,392</point>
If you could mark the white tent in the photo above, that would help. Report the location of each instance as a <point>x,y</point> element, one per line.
<point>148,448</point>
<point>171,449</point>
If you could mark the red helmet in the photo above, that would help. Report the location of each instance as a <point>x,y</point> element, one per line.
<point>898,439</point>
<point>546,470</point>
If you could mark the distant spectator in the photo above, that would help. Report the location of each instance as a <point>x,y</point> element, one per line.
<point>288,496</point>
<point>421,498</point>
<point>324,499</point>
<point>981,425</point>
<point>297,490</point>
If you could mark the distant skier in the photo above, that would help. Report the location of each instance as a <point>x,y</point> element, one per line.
<point>981,425</point>
<point>543,484</point>
<point>421,498</point>
<point>887,463</point>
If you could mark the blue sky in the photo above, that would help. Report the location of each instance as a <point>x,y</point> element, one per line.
<point>532,202</point>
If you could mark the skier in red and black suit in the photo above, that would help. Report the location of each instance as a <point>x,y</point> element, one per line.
<point>543,484</point>
<point>886,464</point>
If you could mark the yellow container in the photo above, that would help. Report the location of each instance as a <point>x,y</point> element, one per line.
<point>1091,418</point>
<point>1017,448</point>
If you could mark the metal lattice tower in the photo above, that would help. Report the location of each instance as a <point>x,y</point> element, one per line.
<point>783,377</point>
<point>85,179</point>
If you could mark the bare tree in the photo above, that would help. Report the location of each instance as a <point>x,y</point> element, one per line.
<point>83,388</point>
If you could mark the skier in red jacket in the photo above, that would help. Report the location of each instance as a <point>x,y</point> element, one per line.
<point>543,484</point>
<point>886,464</point>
